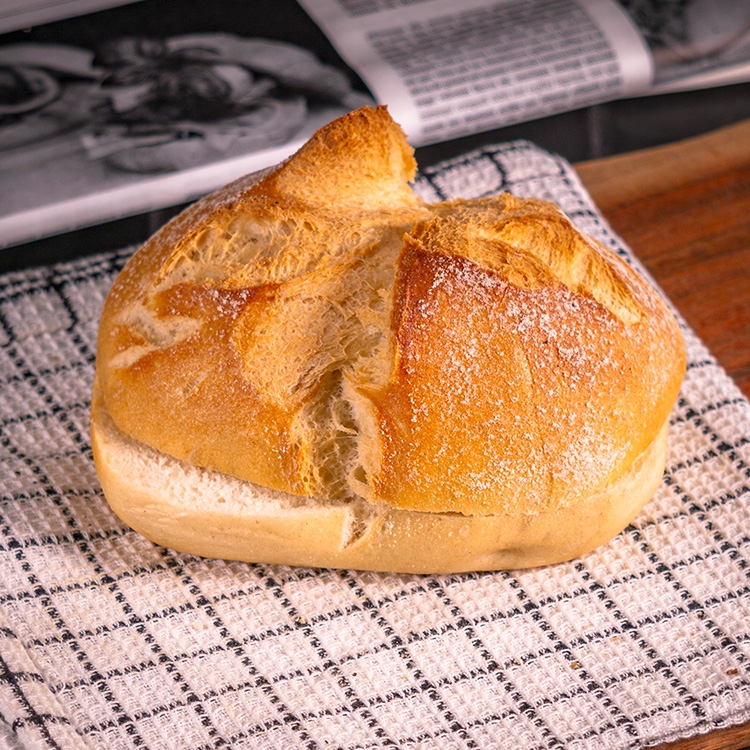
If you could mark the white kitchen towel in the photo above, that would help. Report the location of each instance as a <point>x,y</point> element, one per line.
<point>108,641</point>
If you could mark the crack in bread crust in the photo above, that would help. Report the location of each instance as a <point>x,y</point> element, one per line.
<point>324,332</point>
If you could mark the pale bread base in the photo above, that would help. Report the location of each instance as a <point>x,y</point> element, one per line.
<point>189,509</point>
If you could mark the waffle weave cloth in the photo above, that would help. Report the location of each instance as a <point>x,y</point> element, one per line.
<point>109,641</point>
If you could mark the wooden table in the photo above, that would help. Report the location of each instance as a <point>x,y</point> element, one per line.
<point>684,209</point>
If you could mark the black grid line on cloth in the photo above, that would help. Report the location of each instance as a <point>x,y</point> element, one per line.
<point>356,704</point>
<point>589,683</point>
<point>109,641</point>
<point>285,715</point>
<point>187,697</point>
<point>94,678</point>
<point>631,631</point>
<point>40,592</point>
<point>59,410</point>
<point>556,646</point>
<point>346,706</point>
<point>422,686</point>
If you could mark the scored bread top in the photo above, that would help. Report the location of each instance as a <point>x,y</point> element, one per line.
<point>323,331</point>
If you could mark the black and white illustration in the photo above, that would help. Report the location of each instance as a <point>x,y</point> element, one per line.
<point>688,37</point>
<point>185,100</point>
<point>134,117</point>
<point>154,103</point>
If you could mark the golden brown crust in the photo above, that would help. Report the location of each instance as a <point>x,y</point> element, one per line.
<point>323,332</point>
<point>555,393</point>
<point>180,356</point>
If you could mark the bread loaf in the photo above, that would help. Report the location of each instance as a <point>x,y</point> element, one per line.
<point>316,367</point>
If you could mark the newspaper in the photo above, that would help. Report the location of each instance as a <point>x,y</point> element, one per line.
<point>137,122</point>
<point>448,69</point>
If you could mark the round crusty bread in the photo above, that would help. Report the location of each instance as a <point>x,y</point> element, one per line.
<point>317,367</point>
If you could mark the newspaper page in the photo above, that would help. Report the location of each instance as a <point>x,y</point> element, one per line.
<point>694,43</point>
<point>447,69</point>
<point>177,98</point>
<point>138,108</point>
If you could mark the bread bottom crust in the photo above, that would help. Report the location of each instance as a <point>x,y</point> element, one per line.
<point>206,513</point>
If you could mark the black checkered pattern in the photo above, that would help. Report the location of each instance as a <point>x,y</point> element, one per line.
<point>108,641</point>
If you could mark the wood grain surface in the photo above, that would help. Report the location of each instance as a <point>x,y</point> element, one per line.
<point>684,210</point>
